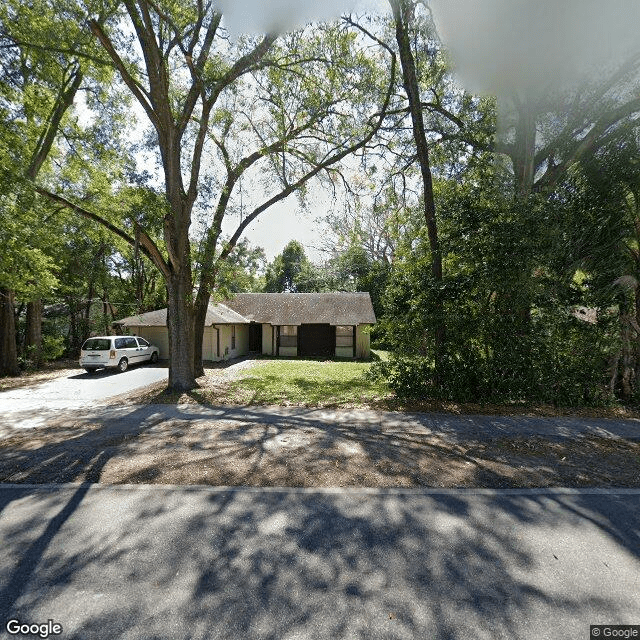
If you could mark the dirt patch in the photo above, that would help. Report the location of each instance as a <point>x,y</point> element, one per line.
<point>50,371</point>
<point>215,382</point>
<point>234,453</point>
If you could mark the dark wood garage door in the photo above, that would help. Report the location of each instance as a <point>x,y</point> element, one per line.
<point>316,340</point>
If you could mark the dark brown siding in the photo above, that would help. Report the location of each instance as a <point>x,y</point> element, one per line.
<point>316,340</point>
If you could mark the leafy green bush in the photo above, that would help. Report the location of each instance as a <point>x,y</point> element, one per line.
<point>52,347</point>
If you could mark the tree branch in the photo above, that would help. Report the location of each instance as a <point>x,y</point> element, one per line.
<point>147,245</point>
<point>138,91</point>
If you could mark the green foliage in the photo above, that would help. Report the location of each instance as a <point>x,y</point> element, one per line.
<point>293,272</point>
<point>52,347</point>
<point>509,300</point>
<point>241,271</point>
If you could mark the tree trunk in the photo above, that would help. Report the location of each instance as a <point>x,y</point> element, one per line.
<point>625,336</point>
<point>8,350</point>
<point>33,340</point>
<point>180,327</point>
<point>200,315</point>
<point>71,336</point>
<point>402,14</point>
<point>523,157</point>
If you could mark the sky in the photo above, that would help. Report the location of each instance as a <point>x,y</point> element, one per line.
<point>274,228</point>
<point>496,46</point>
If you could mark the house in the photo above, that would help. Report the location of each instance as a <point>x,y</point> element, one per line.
<point>226,333</point>
<point>278,324</point>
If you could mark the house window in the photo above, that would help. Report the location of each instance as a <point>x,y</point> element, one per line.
<point>288,336</point>
<point>233,337</point>
<point>344,336</point>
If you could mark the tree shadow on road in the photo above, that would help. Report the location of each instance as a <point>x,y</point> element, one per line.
<point>159,562</point>
<point>173,563</point>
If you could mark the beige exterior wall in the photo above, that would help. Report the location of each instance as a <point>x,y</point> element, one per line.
<point>160,337</point>
<point>267,340</point>
<point>154,335</point>
<point>363,341</point>
<point>209,344</point>
<point>242,341</point>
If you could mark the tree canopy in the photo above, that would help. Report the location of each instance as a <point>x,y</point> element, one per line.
<point>498,236</point>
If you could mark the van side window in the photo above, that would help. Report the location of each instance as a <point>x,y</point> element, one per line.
<point>120,342</point>
<point>130,343</point>
<point>142,342</point>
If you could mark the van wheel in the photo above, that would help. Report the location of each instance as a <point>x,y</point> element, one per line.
<point>123,365</point>
<point>154,357</point>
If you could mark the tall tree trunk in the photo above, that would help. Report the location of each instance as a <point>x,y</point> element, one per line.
<point>180,324</point>
<point>33,338</point>
<point>71,336</point>
<point>524,150</point>
<point>402,13</point>
<point>8,349</point>
<point>105,314</point>
<point>200,314</point>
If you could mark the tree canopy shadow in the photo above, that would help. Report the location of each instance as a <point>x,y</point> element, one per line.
<point>179,563</point>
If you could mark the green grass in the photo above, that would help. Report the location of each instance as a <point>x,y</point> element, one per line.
<point>307,383</point>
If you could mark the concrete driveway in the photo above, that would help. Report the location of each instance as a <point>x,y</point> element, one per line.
<point>78,391</point>
<point>167,562</point>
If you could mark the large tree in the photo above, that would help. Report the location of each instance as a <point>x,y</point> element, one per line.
<point>42,75</point>
<point>291,102</point>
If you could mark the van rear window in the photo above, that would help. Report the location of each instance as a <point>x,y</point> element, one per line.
<point>97,344</point>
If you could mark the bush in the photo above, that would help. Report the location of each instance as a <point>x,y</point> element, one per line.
<point>52,347</point>
<point>559,361</point>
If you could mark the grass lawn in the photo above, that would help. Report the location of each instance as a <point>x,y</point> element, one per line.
<point>314,383</point>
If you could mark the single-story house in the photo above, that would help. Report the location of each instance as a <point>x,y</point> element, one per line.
<point>278,324</point>
<point>226,333</point>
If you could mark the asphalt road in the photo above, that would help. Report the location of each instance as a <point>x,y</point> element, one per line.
<point>74,393</point>
<point>175,562</point>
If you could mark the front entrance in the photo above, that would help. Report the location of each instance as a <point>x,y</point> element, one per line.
<point>255,337</point>
<point>317,340</point>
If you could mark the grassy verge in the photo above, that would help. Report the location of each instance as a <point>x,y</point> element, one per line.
<point>314,383</point>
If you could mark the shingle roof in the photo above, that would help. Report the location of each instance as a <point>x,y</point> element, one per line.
<point>216,314</point>
<point>304,308</point>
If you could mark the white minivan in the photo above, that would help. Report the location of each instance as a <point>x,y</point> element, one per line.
<point>116,351</point>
